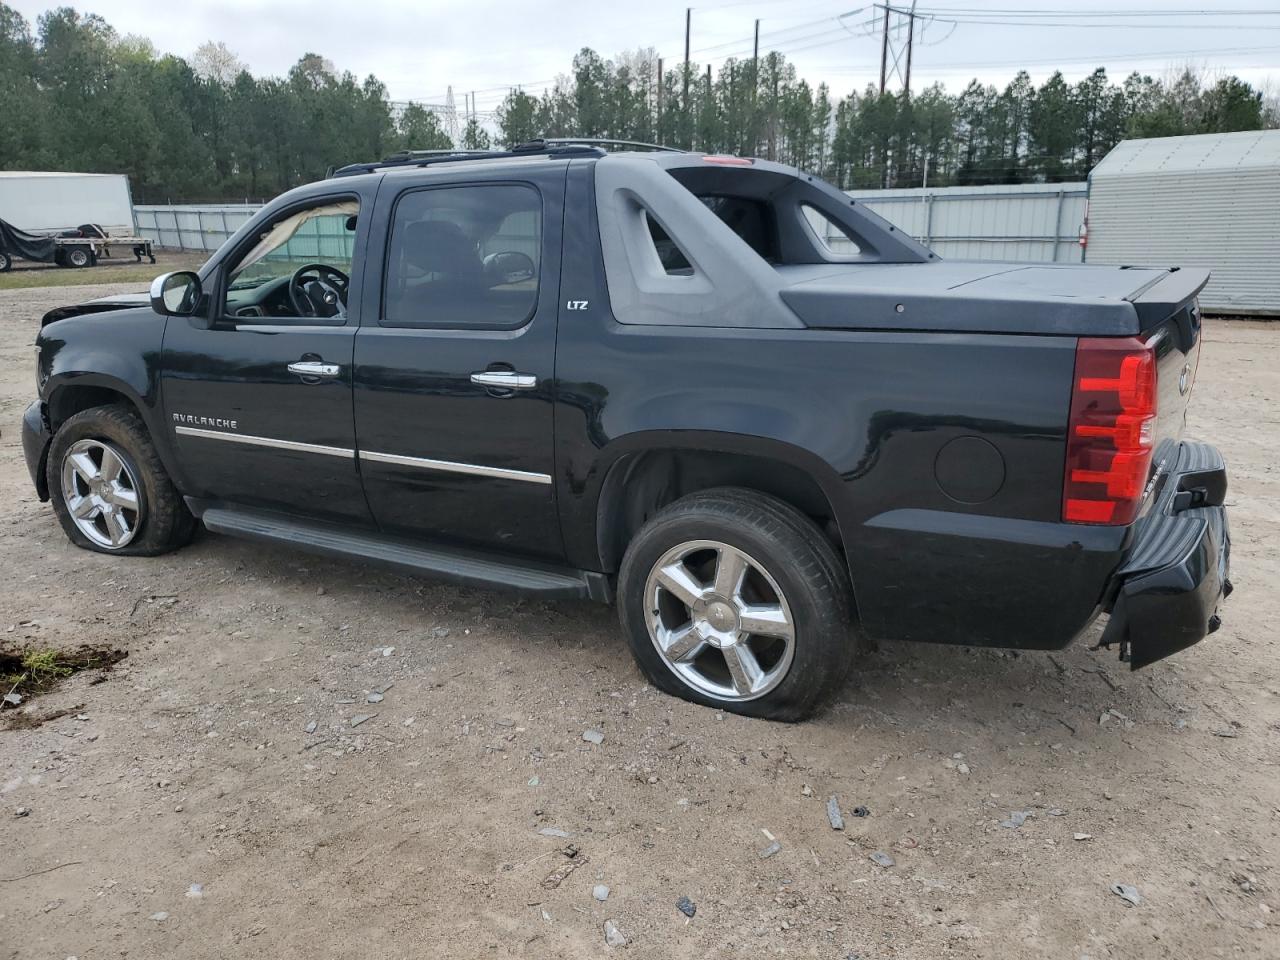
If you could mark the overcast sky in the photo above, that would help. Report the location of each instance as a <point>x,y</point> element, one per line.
<point>420,49</point>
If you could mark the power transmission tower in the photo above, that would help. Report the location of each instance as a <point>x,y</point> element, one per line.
<point>895,50</point>
<point>451,116</point>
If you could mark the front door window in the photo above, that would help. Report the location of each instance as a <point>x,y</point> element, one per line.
<point>300,268</point>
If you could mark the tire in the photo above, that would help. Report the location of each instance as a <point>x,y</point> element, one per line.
<point>794,583</point>
<point>157,523</point>
<point>79,257</point>
<point>6,262</point>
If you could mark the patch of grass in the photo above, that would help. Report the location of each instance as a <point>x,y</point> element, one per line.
<point>38,670</point>
<point>43,668</point>
<point>28,276</point>
<point>29,672</point>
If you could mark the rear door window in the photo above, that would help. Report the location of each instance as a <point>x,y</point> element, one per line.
<point>464,256</point>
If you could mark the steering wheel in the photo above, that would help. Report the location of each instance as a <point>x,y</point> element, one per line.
<point>321,295</point>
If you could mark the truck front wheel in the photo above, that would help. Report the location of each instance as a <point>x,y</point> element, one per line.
<point>109,489</point>
<point>6,262</point>
<point>735,600</point>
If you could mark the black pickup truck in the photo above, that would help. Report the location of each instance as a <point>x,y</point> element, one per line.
<point>714,388</point>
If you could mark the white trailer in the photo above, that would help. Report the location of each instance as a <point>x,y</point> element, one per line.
<point>57,205</point>
<point>53,202</point>
<point>1210,200</point>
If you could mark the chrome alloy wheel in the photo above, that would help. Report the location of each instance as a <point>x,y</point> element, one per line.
<point>101,493</point>
<point>719,620</point>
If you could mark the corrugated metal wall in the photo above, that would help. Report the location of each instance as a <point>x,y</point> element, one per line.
<point>1038,222</point>
<point>1030,222</point>
<point>1226,222</point>
<point>191,227</point>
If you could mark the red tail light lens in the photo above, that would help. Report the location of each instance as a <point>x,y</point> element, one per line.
<point>725,161</point>
<point>1111,430</point>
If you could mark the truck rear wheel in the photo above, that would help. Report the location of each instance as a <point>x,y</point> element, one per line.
<point>109,489</point>
<point>735,600</point>
<point>6,262</point>
<point>79,257</point>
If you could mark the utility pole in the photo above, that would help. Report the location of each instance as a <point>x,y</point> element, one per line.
<point>688,23</point>
<point>755,86</point>
<point>684,119</point>
<point>884,48</point>
<point>658,125</point>
<point>911,34</point>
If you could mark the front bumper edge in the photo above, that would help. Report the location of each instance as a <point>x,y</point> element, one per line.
<point>35,446</point>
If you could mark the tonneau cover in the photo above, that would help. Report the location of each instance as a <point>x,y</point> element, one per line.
<point>984,297</point>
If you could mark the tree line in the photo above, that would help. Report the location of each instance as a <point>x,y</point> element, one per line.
<point>79,96</point>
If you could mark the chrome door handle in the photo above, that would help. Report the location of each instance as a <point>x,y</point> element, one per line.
<point>314,368</point>
<point>505,379</point>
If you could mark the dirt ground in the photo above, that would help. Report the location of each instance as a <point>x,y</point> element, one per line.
<point>421,831</point>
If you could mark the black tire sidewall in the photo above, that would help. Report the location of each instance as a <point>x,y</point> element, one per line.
<point>6,262</point>
<point>126,435</point>
<point>823,636</point>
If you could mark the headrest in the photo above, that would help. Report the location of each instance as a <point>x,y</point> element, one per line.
<point>438,246</point>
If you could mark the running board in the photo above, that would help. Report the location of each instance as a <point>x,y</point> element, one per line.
<point>467,567</point>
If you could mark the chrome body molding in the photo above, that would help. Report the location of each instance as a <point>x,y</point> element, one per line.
<point>423,463</point>
<point>450,466</point>
<point>264,442</point>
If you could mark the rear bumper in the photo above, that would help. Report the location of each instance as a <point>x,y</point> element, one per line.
<point>35,446</point>
<point>1165,595</point>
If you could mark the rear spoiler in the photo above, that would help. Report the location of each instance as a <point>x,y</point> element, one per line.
<point>1166,295</point>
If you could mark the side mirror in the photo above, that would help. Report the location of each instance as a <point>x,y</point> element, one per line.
<point>176,294</point>
<point>508,267</point>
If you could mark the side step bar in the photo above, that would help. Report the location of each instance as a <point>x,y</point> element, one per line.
<point>467,567</point>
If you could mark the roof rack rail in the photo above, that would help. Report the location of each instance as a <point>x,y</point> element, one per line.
<point>425,158</point>
<point>598,142</point>
<point>544,146</point>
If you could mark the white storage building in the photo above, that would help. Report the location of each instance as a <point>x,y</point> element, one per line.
<point>1211,201</point>
<point>48,202</point>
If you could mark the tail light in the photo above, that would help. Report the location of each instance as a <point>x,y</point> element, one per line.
<point>1111,430</point>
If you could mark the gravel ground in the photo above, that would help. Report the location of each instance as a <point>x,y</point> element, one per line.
<point>439,825</point>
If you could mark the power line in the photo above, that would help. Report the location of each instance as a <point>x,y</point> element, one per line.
<point>1113,26</point>
<point>1098,59</point>
<point>1091,14</point>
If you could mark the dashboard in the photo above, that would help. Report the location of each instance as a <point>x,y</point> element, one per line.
<point>269,299</point>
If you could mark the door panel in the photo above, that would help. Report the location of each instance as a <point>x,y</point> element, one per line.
<point>249,431</point>
<point>443,456</point>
